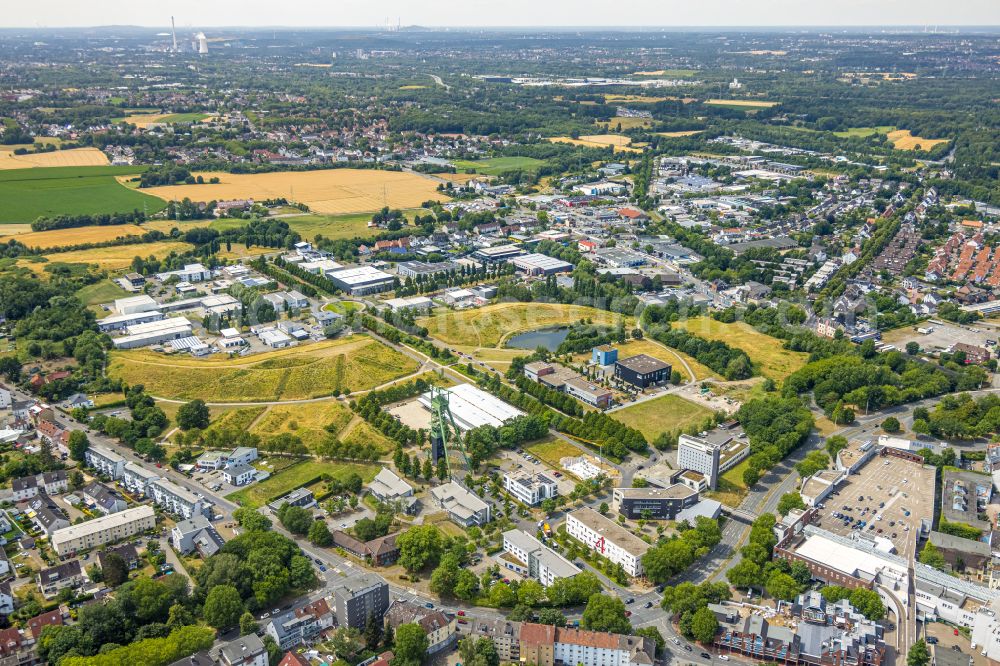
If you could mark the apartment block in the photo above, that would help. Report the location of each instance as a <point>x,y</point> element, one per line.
<point>107,529</point>
<point>105,461</point>
<point>526,555</point>
<point>175,499</point>
<point>607,538</point>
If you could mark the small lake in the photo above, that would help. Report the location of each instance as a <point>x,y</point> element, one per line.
<point>548,338</point>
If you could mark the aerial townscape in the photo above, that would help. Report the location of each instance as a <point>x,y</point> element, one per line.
<point>411,346</point>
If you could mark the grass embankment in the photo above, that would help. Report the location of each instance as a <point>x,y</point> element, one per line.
<point>767,353</point>
<point>352,364</point>
<point>488,326</point>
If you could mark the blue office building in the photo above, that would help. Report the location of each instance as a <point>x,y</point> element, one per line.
<point>604,355</point>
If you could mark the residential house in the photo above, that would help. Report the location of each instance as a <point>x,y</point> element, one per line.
<point>68,574</point>
<point>196,534</point>
<point>50,483</point>
<point>440,629</point>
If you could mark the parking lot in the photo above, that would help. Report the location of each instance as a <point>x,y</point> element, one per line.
<point>886,499</point>
<point>513,461</point>
<point>943,335</point>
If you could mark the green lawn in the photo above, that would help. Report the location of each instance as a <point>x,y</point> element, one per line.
<point>670,412</point>
<point>494,166</point>
<point>553,450</point>
<point>105,291</point>
<point>296,476</point>
<point>335,227</point>
<point>185,117</point>
<point>31,193</point>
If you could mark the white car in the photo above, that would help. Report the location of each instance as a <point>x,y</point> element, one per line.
<point>675,641</point>
<point>724,657</point>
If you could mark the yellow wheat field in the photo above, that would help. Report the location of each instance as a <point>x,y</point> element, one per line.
<point>619,142</point>
<point>752,103</point>
<point>330,191</point>
<point>673,135</point>
<point>626,122</point>
<point>75,157</point>
<point>110,258</point>
<point>75,236</point>
<point>904,140</point>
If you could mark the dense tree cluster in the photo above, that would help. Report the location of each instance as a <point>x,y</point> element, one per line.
<point>101,220</point>
<point>671,556</point>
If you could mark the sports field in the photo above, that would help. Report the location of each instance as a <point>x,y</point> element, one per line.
<point>904,140</point>
<point>74,157</point>
<point>76,235</point>
<point>494,166</point>
<point>110,258</point>
<point>669,412</point>
<point>31,193</point>
<point>350,364</point>
<point>741,103</point>
<point>297,475</point>
<point>490,325</point>
<point>766,352</point>
<point>618,142</point>
<point>330,191</point>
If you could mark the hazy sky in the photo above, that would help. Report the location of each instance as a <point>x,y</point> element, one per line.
<point>333,13</point>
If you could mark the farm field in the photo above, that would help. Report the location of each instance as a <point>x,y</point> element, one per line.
<point>494,166</point>
<point>305,420</point>
<point>76,235</point>
<point>862,132</point>
<point>110,258</point>
<point>74,157</point>
<point>619,143</point>
<point>741,103</point>
<point>766,352</point>
<point>682,133</point>
<point>626,123</point>
<point>14,228</point>
<point>490,325</point>
<point>669,412</point>
<point>144,120</point>
<point>351,364</point>
<point>31,193</point>
<point>330,191</point>
<point>904,140</point>
<point>634,99</point>
<point>298,475</point>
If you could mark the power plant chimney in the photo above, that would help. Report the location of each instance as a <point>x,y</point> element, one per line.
<point>202,43</point>
<point>173,32</point>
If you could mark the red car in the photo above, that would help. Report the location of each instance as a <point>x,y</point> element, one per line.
<point>461,612</point>
<point>628,613</point>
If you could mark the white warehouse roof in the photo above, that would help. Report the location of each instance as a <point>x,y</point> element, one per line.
<point>360,275</point>
<point>473,407</point>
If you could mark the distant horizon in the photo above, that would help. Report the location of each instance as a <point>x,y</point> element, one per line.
<point>514,14</point>
<point>920,27</point>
